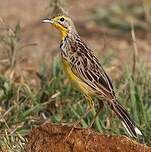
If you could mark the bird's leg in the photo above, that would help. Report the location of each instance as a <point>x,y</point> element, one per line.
<point>89,109</point>
<point>96,115</point>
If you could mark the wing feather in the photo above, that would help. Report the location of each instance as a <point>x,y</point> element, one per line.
<point>89,70</point>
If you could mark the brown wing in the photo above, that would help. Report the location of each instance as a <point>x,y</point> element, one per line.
<point>86,66</point>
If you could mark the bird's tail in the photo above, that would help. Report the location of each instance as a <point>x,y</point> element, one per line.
<point>127,122</point>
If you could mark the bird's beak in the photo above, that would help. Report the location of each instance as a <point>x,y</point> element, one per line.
<point>47,20</point>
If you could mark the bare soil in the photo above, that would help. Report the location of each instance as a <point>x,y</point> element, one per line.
<point>51,138</point>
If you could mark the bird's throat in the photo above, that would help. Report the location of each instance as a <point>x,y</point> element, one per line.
<point>64,34</point>
<point>64,31</point>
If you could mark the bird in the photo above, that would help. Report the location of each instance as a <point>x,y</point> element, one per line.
<point>85,71</point>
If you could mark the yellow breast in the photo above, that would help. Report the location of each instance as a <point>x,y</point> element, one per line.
<point>76,80</point>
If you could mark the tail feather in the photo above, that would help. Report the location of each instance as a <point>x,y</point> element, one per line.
<point>127,122</point>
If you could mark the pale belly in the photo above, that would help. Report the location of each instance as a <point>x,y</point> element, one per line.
<point>76,80</point>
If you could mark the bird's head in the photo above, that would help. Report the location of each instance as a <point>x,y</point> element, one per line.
<point>63,23</point>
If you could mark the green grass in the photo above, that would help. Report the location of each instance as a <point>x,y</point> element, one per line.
<point>118,17</point>
<point>26,107</point>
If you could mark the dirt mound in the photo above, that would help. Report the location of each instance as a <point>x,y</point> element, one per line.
<point>50,138</point>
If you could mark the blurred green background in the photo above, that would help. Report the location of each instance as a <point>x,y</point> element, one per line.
<point>33,87</point>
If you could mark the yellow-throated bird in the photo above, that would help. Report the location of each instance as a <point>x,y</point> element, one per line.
<point>84,69</point>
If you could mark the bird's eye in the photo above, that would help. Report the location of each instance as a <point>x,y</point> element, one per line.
<point>62,19</point>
